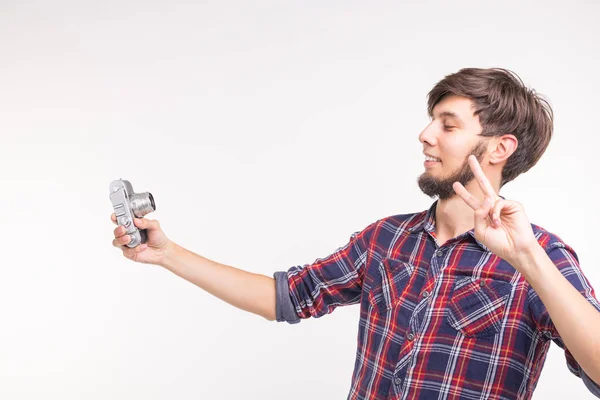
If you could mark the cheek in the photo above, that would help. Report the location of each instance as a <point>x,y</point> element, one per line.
<point>456,149</point>
<point>453,160</point>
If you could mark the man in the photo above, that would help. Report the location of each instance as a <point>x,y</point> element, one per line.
<point>459,301</point>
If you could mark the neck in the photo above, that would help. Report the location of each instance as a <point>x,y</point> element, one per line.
<point>453,216</point>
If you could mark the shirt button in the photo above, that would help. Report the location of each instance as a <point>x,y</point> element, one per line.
<point>397,380</point>
<point>425,294</point>
<point>410,337</point>
<point>482,283</point>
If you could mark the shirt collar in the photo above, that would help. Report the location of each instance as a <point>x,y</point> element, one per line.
<point>427,222</point>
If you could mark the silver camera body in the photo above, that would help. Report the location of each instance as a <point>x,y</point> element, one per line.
<point>127,204</point>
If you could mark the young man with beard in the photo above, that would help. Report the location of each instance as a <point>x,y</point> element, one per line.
<point>460,301</point>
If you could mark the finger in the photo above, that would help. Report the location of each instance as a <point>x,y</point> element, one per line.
<point>144,223</point>
<point>121,241</point>
<point>466,196</point>
<point>127,252</point>
<point>113,218</point>
<point>131,252</point>
<point>120,231</point>
<point>497,211</point>
<point>482,214</point>
<point>136,249</point>
<point>482,180</point>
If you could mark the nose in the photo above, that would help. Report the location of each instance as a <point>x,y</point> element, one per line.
<point>429,134</point>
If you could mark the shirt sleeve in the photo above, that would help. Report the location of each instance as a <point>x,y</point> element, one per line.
<point>313,290</point>
<point>566,260</point>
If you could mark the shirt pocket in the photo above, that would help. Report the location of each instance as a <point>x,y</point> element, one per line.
<point>476,307</point>
<point>389,284</point>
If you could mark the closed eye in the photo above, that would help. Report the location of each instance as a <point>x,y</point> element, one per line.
<point>449,128</point>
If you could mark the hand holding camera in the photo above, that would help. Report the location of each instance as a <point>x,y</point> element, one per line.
<point>140,239</point>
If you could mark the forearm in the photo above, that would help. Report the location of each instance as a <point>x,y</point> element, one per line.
<point>242,289</point>
<point>576,320</point>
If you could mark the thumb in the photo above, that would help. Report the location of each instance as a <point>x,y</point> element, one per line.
<point>143,223</point>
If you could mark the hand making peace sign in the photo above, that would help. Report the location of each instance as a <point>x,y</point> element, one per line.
<point>501,225</point>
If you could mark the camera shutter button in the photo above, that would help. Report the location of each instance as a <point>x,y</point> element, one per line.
<point>124,221</point>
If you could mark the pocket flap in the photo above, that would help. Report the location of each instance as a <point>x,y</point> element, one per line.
<point>477,306</point>
<point>389,284</point>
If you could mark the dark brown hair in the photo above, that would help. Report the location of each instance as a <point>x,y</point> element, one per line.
<point>505,106</point>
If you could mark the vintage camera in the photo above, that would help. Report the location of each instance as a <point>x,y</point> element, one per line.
<point>128,204</point>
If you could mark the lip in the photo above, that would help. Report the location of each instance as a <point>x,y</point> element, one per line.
<point>429,155</point>
<point>429,164</point>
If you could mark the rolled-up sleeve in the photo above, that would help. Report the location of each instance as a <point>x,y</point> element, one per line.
<point>566,260</point>
<point>313,290</point>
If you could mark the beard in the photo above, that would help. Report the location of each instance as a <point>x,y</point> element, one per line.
<point>442,187</point>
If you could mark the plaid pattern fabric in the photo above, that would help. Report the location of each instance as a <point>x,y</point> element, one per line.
<point>450,322</point>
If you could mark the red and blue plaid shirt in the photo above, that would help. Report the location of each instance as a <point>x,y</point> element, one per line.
<point>449,322</point>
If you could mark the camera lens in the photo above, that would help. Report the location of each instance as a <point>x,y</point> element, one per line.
<point>152,201</point>
<point>142,204</point>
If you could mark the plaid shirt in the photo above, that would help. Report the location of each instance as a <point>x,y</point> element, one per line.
<point>449,322</point>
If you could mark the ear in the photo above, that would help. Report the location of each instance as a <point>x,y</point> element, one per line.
<point>502,147</point>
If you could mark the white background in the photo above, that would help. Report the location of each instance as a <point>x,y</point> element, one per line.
<point>267,132</point>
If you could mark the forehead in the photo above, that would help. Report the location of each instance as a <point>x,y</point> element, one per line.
<point>450,105</point>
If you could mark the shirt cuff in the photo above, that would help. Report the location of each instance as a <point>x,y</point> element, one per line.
<point>589,383</point>
<point>284,309</point>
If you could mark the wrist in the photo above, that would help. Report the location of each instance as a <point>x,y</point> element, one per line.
<point>529,260</point>
<point>169,254</point>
